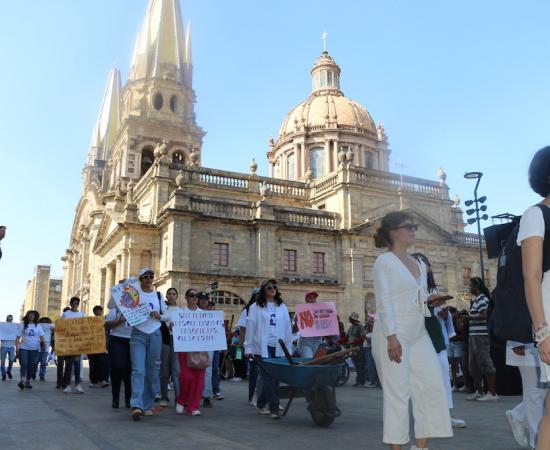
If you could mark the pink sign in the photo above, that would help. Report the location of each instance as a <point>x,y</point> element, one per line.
<point>317,319</point>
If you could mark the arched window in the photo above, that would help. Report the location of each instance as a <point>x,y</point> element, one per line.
<point>147,159</point>
<point>291,166</point>
<point>158,101</point>
<point>317,162</point>
<point>367,159</point>
<point>226,298</point>
<point>178,157</point>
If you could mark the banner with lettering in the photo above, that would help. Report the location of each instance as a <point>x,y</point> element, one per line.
<point>8,331</point>
<point>317,319</point>
<point>80,336</point>
<point>196,331</point>
<point>126,297</point>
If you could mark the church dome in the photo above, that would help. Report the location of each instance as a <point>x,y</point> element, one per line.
<point>327,107</point>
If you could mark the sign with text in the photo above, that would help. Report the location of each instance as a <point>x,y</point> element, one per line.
<point>196,331</point>
<point>81,336</point>
<point>126,297</point>
<point>317,319</point>
<point>8,331</point>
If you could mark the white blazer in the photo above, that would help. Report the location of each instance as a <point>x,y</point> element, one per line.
<point>257,330</point>
<point>397,292</point>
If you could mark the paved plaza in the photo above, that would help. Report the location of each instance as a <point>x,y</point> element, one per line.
<point>45,418</point>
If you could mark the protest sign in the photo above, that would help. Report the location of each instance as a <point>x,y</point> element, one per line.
<point>317,319</point>
<point>81,336</point>
<point>196,331</point>
<point>126,297</point>
<point>8,331</point>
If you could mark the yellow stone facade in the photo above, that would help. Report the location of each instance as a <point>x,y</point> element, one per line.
<point>148,201</point>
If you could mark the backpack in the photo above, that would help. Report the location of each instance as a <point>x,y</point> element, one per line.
<point>511,317</point>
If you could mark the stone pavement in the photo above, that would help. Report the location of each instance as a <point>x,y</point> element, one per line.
<point>45,418</point>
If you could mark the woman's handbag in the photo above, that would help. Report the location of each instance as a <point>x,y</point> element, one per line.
<point>198,360</point>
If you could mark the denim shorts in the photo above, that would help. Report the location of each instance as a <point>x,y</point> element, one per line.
<point>455,349</point>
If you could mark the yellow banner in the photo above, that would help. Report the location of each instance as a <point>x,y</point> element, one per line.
<point>82,336</point>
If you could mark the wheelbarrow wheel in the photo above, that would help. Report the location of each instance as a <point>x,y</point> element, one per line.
<point>322,406</point>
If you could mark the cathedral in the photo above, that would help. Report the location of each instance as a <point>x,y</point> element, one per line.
<point>147,201</point>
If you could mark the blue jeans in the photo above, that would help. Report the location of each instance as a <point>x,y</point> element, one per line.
<point>10,353</point>
<point>216,372</point>
<point>207,391</point>
<point>145,353</point>
<point>252,378</point>
<point>307,346</point>
<point>372,373</point>
<point>43,363</point>
<point>28,360</point>
<point>269,394</point>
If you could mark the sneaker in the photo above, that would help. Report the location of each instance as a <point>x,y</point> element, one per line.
<point>179,409</point>
<point>474,396</point>
<point>196,413</point>
<point>275,416</point>
<point>68,390</point>
<point>454,389</point>
<point>163,403</point>
<point>219,396</point>
<point>206,403</point>
<point>281,408</point>
<point>157,398</point>
<point>488,397</point>
<point>148,413</point>
<point>518,430</point>
<point>93,385</point>
<point>236,379</point>
<point>136,413</point>
<point>104,384</point>
<point>9,375</point>
<point>3,377</point>
<point>20,385</point>
<point>78,389</point>
<point>252,403</point>
<point>263,411</point>
<point>457,423</point>
<point>28,385</point>
<point>462,389</point>
<point>370,385</point>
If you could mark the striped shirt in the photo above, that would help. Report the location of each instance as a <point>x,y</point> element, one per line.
<point>479,327</point>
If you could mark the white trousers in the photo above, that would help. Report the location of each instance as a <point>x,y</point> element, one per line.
<point>444,364</point>
<point>531,409</point>
<point>417,378</point>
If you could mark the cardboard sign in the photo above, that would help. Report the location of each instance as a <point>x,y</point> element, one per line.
<point>126,297</point>
<point>81,336</point>
<point>317,319</point>
<point>8,331</point>
<point>196,331</point>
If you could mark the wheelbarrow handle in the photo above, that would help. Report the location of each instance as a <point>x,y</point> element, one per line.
<point>286,352</point>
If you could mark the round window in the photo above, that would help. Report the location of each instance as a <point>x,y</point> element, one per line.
<point>158,101</point>
<point>173,103</point>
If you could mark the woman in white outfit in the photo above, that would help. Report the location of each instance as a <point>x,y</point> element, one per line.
<point>404,355</point>
<point>533,241</point>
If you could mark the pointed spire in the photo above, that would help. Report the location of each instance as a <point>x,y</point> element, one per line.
<point>188,56</point>
<point>160,45</point>
<point>108,121</point>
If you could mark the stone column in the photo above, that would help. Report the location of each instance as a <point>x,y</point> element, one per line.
<point>109,281</point>
<point>327,156</point>
<point>304,156</point>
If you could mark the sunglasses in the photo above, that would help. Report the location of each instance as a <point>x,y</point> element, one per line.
<point>271,286</point>
<point>408,226</point>
<point>148,277</point>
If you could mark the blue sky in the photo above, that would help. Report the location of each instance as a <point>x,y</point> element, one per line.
<point>462,85</point>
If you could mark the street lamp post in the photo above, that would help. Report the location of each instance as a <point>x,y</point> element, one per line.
<point>476,202</point>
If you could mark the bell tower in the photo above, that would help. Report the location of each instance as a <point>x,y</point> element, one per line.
<point>158,98</point>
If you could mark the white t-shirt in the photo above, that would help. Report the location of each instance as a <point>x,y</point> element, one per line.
<point>243,319</point>
<point>30,336</point>
<point>123,330</point>
<point>72,314</point>
<point>151,325</point>
<point>47,328</point>
<point>272,336</point>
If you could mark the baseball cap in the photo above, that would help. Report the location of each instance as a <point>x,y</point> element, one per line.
<point>144,271</point>
<point>308,293</point>
<point>203,295</point>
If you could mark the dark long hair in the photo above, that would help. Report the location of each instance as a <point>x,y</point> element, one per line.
<point>390,222</point>
<point>261,301</point>
<point>27,319</point>
<point>480,285</point>
<point>430,276</point>
<point>250,303</point>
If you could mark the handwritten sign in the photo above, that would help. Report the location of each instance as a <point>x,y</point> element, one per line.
<point>81,336</point>
<point>8,331</point>
<point>126,297</point>
<point>195,331</point>
<point>317,319</point>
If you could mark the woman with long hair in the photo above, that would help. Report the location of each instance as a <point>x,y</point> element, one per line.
<point>29,342</point>
<point>268,321</point>
<point>532,237</point>
<point>404,355</point>
<point>479,344</point>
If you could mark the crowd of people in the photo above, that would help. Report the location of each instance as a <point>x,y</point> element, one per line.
<point>415,347</point>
